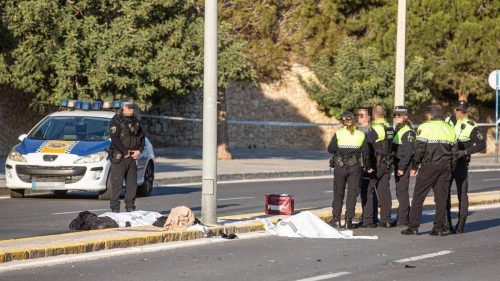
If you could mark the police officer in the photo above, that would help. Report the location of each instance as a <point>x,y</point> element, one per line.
<point>470,141</point>
<point>350,152</point>
<point>433,159</point>
<point>402,152</point>
<point>363,124</point>
<point>379,138</point>
<point>127,143</point>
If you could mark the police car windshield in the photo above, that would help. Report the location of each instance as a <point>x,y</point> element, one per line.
<point>72,128</point>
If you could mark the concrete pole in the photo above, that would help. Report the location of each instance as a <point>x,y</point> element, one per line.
<point>399,97</point>
<point>209,164</point>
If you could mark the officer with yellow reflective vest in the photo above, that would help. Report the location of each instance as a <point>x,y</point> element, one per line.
<point>470,141</point>
<point>434,160</point>
<point>402,153</point>
<point>350,154</point>
<point>379,139</point>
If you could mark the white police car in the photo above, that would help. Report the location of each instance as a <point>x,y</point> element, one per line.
<point>67,151</point>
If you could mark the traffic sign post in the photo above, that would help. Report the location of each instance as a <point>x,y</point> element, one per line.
<point>494,81</point>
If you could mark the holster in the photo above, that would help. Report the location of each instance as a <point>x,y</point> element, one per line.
<point>115,156</point>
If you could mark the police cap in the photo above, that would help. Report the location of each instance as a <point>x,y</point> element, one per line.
<point>400,110</point>
<point>461,105</point>
<point>347,116</point>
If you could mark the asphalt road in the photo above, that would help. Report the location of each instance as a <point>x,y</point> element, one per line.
<point>470,256</point>
<point>44,214</point>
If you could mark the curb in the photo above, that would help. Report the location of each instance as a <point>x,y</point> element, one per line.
<point>164,237</point>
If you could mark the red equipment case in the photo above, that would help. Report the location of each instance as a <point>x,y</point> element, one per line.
<point>279,204</point>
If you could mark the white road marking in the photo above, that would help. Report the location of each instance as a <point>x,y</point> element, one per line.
<point>4,197</point>
<point>327,276</point>
<point>250,181</point>
<point>329,191</point>
<point>485,170</point>
<point>235,198</point>
<point>497,179</point>
<point>427,256</point>
<point>57,260</point>
<point>76,212</point>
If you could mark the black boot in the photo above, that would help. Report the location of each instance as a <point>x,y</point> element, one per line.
<point>335,223</point>
<point>349,224</point>
<point>448,227</point>
<point>436,232</point>
<point>461,224</point>
<point>409,231</point>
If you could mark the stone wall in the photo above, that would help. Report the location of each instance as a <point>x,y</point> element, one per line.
<point>284,101</point>
<point>16,117</point>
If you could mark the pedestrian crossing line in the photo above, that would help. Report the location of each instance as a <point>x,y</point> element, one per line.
<point>427,256</point>
<point>327,276</point>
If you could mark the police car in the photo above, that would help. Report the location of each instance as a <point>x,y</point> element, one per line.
<point>67,151</point>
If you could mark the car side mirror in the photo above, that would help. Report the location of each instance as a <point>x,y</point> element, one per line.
<point>22,137</point>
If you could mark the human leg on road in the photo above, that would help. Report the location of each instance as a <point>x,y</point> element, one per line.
<point>403,196</point>
<point>117,173</point>
<point>425,180</point>
<point>131,185</point>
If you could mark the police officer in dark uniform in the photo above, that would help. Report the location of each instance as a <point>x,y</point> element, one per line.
<point>363,124</point>
<point>127,143</point>
<point>379,138</point>
<point>402,153</point>
<point>350,153</point>
<point>433,159</point>
<point>470,141</point>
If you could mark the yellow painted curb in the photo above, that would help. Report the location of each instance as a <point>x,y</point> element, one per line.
<point>152,237</point>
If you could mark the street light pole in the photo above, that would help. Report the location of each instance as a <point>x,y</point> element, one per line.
<point>209,162</point>
<point>399,97</point>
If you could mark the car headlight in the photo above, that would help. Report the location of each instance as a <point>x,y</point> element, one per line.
<point>16,156</point>
<point>92,158</point>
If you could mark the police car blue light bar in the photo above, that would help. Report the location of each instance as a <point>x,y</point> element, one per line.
<point>106,105</point>
<point>63,103</point>
<point>86,105</point>
<point>117,104</point>
<point>78,104</point>
<point>71,103</point>
<point>97,105</point>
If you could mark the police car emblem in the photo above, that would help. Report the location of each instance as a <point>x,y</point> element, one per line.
<point>113,129</point>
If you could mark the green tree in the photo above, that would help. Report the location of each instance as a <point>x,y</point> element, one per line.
<point>104,49</point>
<point>458,40</point>
<point>357,77</point>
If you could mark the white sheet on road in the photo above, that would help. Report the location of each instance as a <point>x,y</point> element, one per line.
<point>307,225</point>
<point>136,218</point>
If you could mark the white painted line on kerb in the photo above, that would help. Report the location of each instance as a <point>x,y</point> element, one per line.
<point>4,197</point>
<point>327,276</point>
<point>497,179</point>
<point>76,212</point>
<point>249,181</point>
<point>427,256</point>
<point>235,198</point>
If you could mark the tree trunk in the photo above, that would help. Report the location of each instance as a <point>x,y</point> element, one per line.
<point>223,152</point>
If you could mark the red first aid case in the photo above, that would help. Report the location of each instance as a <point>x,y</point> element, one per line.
<point>279,204</point>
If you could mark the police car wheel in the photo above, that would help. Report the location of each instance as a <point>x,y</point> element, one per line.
<point>106,194</point>
<point>146,188</point>
<point>16,193</point>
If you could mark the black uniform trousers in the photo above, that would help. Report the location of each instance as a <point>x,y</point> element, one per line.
<point>402,194</point>
<point>363,194</point>
<point>460,175</point>
<point>349,175</point>
<point>379,187</point>
<point>438,178</point>
<point>125,169</point>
